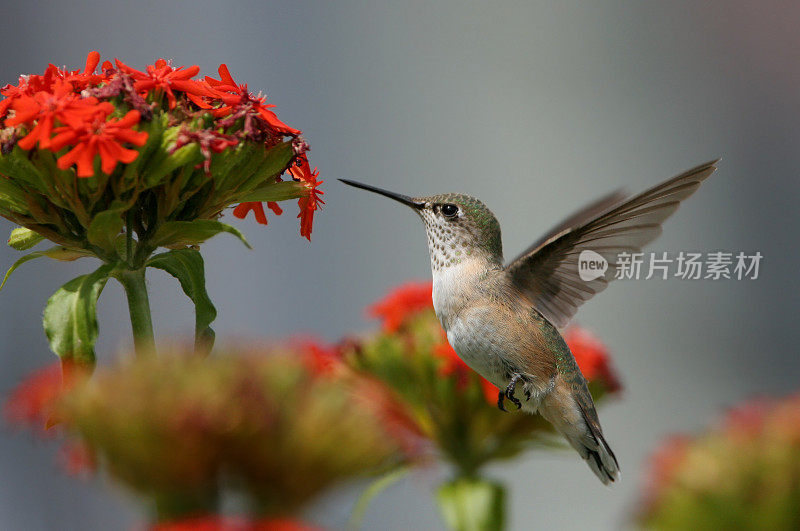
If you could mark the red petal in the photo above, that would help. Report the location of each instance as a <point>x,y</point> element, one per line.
<point>91,62</point>
<point>225,76</point>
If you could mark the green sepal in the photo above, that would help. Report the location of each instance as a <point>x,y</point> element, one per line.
<point>106,226</point>
<point>19,168</point>
<point>472,504</point>
<point>277,192</point>
<point>23,239</point>
<point>182,233</point>
<point>70,317</point>
<point>163,162</point>
<point>186,265</point>
<point>12,197</point>
<point>64,254</point>
<point>273,162</point>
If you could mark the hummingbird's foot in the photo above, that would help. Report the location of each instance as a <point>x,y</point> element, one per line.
<point>500,396</point>
<point>509,393</point>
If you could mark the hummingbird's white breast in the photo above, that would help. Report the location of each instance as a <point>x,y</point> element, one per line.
<point>470,325</point>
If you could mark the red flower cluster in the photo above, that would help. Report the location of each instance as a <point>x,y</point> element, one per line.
<point>80,115</point>
<point>52,111</point>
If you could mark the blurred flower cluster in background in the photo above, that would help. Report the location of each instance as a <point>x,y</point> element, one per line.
<point>271,425</point>
<point>274,426</point>
<point>743,473</point>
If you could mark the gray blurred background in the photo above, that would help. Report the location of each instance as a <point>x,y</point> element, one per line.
<point>533,107</point>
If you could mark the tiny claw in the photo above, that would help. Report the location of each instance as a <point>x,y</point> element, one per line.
<point>510,390</point>
<point>500,396</point>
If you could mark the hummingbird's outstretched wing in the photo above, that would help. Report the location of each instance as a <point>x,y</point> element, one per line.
<point>548,273</point>
<point>579,217</point>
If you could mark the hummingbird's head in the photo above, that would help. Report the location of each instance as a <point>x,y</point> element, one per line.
<point>459,227</point>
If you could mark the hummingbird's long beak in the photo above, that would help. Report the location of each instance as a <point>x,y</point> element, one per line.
<point>391,195</point>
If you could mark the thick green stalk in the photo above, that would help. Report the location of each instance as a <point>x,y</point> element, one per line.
<point>472,504</point>
<point>139,307</point>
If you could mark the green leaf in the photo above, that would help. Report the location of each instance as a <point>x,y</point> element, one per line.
<point>22,239</point>
<point>64,254</point>
<point>472,505</point>
<point>70,317</point>
<point>105,228</point>
<point>174,233</point>
<point>187,266</point>
<point>277,192</point>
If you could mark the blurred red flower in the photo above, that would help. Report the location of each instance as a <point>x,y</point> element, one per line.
<point>77,459</point>
<point>746,420</point>
<point>31,403</point>
<point>592,358</point>
<point>222,523</point>
<point>454,365</point>
<point>402,303</point>
<point>321,359</point>
<point>664,464</point>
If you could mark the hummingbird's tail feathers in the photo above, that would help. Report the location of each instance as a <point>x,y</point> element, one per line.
<point>601,458</point>
<point>577,421</point>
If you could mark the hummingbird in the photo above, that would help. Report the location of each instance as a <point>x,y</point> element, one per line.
<point>503,320</point>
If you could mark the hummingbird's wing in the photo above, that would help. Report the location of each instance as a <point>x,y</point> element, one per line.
<point>579,217</point>
<point>548,273</point>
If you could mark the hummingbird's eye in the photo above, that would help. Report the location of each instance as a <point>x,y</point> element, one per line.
<point>449,210</point>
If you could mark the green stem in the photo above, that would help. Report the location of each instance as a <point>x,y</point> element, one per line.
<point>139,307</point>
<point>129,236</point>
